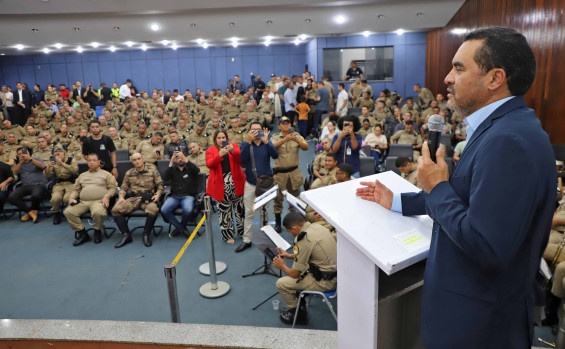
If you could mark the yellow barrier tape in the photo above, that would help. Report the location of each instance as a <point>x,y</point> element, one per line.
<point>188,241</point>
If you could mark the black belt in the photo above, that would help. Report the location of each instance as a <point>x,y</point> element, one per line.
<point>284,170</point>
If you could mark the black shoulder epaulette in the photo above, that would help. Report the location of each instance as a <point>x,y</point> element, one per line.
<point>301,236</point>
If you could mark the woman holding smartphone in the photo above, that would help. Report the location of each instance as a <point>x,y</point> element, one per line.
<point>226,183</point>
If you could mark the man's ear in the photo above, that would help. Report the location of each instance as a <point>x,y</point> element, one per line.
<point>497,78</point>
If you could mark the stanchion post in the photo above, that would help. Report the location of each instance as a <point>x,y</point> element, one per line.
<point>171,276</point>
<point>212,289</point>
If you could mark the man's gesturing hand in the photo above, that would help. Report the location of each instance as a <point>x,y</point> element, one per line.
<point>430,173</point>
<point>377,192</point>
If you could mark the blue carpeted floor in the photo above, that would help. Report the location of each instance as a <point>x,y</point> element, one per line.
<point>45,277</point>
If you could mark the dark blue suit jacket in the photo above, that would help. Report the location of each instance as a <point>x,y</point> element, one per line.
<point>492,223</point>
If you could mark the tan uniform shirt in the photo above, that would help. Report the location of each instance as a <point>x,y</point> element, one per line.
<point>329,178</point>
<point>94,185</point>
<point>320,163</point>
<point>202,140</point>
<point>405,137</point>
<point>237,136</point>
<point>149,151</point>
<point>200,161</point>
<point>120,143</point>
<point>412,177</point>
<point>44,154</point>
<point>317,246</point>
<point>61,171</point>
<point>288,152</point>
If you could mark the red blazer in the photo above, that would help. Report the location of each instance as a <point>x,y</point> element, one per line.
<point>215,187</point>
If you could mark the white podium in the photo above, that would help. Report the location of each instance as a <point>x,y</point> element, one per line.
<point>372,238</point>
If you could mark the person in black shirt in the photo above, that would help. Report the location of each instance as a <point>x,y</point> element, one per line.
<point>101,145</point>
<point>105,94</point>
<point>6,176</point>
<point>353,72</point>
<point>259,88</point>
<point>181,173</point>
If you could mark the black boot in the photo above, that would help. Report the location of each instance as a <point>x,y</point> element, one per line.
<point>57,218</point>
<point>551,309</point>
<point>97,236</point>
<point>123,226</point>
<point>149,223</point>
<point>81,237</point>
<point>278,227</point>
<point>287,315</point>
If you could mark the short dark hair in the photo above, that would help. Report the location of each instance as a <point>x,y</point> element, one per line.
<point>293,219</point>
<point>93,122</point>
<point>408,122</point>
<point>346,168</point>
<point>342,85</point>
<point>417,85</point>
<point>158,134</point>
<point>507,49</point>
<point>401,161</point>
<point>94,154</point>
<point>253,123</point>
<point>170,133</point>
<point>302,99</point>
<point>332,155</point>
<point>349,118</point>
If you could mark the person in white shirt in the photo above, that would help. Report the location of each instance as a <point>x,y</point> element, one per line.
<point>290,102</point>
<point>7,102</point>
<point>125,90</point>
<point>342,100</point>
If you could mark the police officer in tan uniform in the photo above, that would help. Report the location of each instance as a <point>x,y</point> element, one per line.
<point>92,192</point>
<point>64,171</point>
<point>330,163</point>
<point>409,136</point>
<point>138,138</point>
<point>43,111</point>
<point>355,90</point>
<point>43,150</point>
<point>286,172</point>
<point>120,142</point>
<point>141,188</point>
<point>8,157</point>
<point>200,137</point>
<point>319,167</point>
<point>152,149</point>
<point>314,265</point>
<point>17,129</point>
<point>236,134</point>
<point>425,96</point>
<point>198,157</point>
<point>408,169</point>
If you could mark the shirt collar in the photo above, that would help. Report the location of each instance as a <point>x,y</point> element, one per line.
<point>474,120</point>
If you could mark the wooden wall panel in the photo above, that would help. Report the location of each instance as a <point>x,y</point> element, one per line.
<point>543,24</point>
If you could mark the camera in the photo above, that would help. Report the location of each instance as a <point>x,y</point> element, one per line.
<point>52,158</point>
<point>225,144</point>
<point>260,134</point>
<point>177,148</point>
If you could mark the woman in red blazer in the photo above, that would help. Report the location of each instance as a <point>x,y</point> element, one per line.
<point>226,183</point>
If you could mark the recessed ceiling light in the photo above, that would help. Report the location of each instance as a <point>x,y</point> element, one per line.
<point>372,48</point>
<point>112,48</point>
<point>193,25</point>
<point>199,41</point>
<point>2,54</point>
<point>267,43</point>
<point>155,27</point>
<point>297,41</point>
<point>205,45</point>
<point>399,31</point>
<point>419,14</point>
<point>76,29</point>
<point>144,47</point>
<point>46,50</point>
<point>165,42</point>
<point>129,43</point>
<point>341,50</point>
<point>174,46</point>
<point>35,30</point>
<point>381,16</point>
<point>269,21</point>
<point>268,38</point>
<point>58,46</point>
<point>340,19</point>
<point>94,44</point>
<point>307,20</point>
<point>19,47</point>
<point>80,49</point>
<point>303,37</point>
<point>366,33</point>
<point>231,24</point>
<point>116,28</point>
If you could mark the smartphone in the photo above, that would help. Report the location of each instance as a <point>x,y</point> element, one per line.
<point>177,148</point>
<point>261,134</point>
<point>52,158</point>
<point>158,152</point>
<point>77,201</point>
<point>225,144</point>
<point>24,151</point>
<point>269,253</point>
<point>291,130</point>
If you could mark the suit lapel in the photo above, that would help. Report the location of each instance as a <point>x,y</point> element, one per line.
<point>514,103</point>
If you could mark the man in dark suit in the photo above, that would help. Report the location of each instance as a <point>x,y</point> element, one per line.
<point>78,91</point>
<point>22,103</point>
<point>492,218</point>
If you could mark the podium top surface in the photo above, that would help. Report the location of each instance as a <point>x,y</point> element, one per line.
<point>370,227</point>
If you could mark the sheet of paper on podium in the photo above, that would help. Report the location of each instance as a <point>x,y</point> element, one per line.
<point>370,227</point>
<point>267,241</point>
<point>275,237</point>
<point>264,198</point>
<point>298,204</point>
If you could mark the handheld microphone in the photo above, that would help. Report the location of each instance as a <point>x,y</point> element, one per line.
<point>435,125</point>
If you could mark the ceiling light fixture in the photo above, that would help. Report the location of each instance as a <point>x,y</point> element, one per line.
<point>269,21</point>
<point>174,46</point>
<point>193,25</point>
<point>199,41</point>
<point>76,29</point>
<point>267,43</point>
<point>340,19</point>
<point>2,54</point>
<point>205,45</point>
<point>116,28</point>
<point>80,49</point>
<point>165,42</point>
<point>19,47</point>
<point>303,37</point>
<point>231,24</point>
<point>58,46</point>
<point>380,16</point>
<point>112,48</point>
<point>366,33</point>
<point>94,44</point>
<point>399,31</point>
<point>307,20</point>
<point>144,47</point>
<point>297,41</point>
<point>129,43</point>
<point>419,14</point>
<point>46,50</point>
<point>155,27</point>
<point>35,30</point>
<point>268,38</point>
